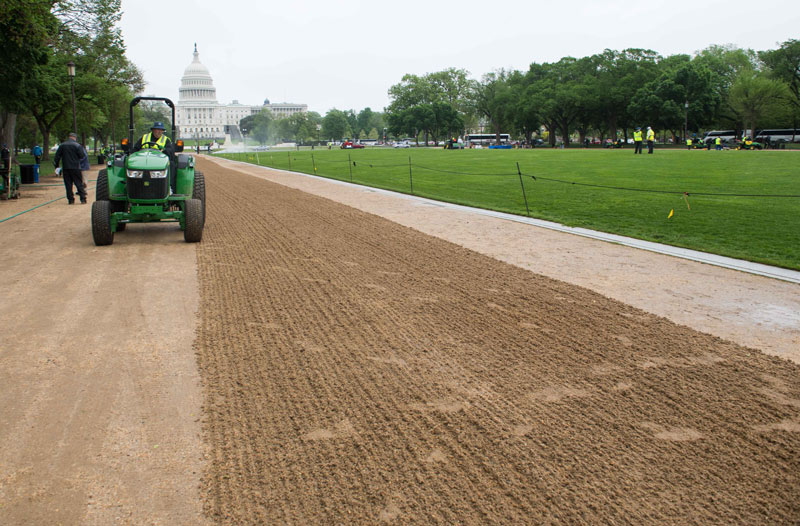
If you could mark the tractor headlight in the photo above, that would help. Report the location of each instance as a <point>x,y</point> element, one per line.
<point>158,174</point>
<point>136,174</point>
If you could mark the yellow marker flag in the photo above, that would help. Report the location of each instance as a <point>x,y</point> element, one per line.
<point>671,212</point>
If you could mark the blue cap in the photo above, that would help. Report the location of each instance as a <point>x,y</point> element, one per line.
<point>158,125</point>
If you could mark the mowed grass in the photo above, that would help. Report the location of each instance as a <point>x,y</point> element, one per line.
<point>761,229</point>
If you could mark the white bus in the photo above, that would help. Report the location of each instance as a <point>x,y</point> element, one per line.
<point>777,136</point>
<point>487,138</point>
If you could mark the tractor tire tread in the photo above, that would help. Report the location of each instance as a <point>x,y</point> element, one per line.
<point>101,223</point>
<point>101,188</point>
<point>193,210</point>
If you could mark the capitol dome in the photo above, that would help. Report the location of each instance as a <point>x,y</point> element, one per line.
<point>196,83</point>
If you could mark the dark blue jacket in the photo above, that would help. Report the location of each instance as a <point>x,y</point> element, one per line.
<point>69,154</point>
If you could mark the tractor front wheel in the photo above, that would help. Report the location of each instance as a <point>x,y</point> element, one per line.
<point>101,223</point>
<point>193,210</point>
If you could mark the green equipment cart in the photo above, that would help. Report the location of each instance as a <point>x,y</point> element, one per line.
<point>9,184</point>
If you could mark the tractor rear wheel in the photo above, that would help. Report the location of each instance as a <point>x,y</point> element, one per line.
<point>101,223</point>
<point>199,191</point>
<point>193,211</point>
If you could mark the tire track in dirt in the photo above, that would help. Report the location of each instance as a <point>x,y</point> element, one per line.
<point>356,371</point>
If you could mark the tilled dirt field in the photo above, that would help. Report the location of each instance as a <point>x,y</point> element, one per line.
<point>356,371</point>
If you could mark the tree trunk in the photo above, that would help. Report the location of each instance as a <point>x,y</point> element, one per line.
<point>45,143</point>
<point>612,127</point>
<point>8,125</point>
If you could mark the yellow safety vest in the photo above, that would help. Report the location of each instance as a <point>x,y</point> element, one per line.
<point>651,135</point>
<point>148,137</point>
<point>637,136</point>
<point>688,142</point>
<point>718,141</point>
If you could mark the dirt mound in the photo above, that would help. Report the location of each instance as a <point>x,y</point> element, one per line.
<point>358,372</point>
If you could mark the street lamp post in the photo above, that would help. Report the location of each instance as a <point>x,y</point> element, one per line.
<point>71,72</point>
<point>384,136</point>
<point>319,127</point>
<point>244,139</point>
<point>686,121</point>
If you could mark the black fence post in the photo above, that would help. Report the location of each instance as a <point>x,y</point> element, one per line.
<point>314,164</point>
<point>350,165</point>
<point>519,172</point>
<point>410,177</point>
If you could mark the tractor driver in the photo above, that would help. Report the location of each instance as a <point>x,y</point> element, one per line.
<point>156,140</point>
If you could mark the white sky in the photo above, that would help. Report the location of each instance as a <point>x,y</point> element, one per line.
<point>347,54</point>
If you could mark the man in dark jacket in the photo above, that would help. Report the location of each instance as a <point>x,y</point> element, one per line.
<point>69,155</point>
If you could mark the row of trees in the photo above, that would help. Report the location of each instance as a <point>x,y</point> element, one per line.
<point>311,127</point>
<point>38,39</point>
<point>608,94</point>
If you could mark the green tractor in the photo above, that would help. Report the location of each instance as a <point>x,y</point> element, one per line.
<point>149,186</point>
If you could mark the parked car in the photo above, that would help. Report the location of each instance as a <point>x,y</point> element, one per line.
<point>261,148</point>
<point>349,144</point>
<point>403,144</point>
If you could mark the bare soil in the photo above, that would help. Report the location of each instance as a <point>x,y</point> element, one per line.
<point>750,310</point>
<point>99,391</point>
<point>356,371</point>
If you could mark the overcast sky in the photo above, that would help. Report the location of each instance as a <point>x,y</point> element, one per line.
<point>347,54</point>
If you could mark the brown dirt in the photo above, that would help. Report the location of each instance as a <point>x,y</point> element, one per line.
<point>753,311</point>
<point>99,391</point>
<point>357,372</point>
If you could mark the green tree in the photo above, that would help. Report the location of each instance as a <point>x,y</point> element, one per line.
<point>754,95</point>
<point>784,64</point>
<point>620,74</point>
<point>335,125</point>
<point>26,33</point>
<point>493,99</point>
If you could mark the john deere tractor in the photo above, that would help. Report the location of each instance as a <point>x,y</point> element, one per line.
<point>148,186</point>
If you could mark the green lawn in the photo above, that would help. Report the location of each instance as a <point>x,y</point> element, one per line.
<point>762,229</point>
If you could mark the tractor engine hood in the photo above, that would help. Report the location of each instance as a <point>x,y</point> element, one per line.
<point>147,160</point>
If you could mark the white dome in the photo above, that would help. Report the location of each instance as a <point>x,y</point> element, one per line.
<point>196,83</point>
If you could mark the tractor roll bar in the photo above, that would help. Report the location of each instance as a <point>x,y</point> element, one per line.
<point>136,101</point>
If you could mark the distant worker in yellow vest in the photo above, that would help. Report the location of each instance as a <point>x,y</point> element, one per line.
<point>688,144</point>
<point>156,140</point>
<point>651,139</point>
<point>718,143</point>
<point>637,141</point>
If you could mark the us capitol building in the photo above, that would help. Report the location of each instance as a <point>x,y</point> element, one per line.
<point>198,114</point>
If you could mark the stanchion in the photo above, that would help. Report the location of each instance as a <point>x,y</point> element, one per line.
<point>350,165</point>
<point>314,164</point>
<point>410,177</point>
<point>519,172</point>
